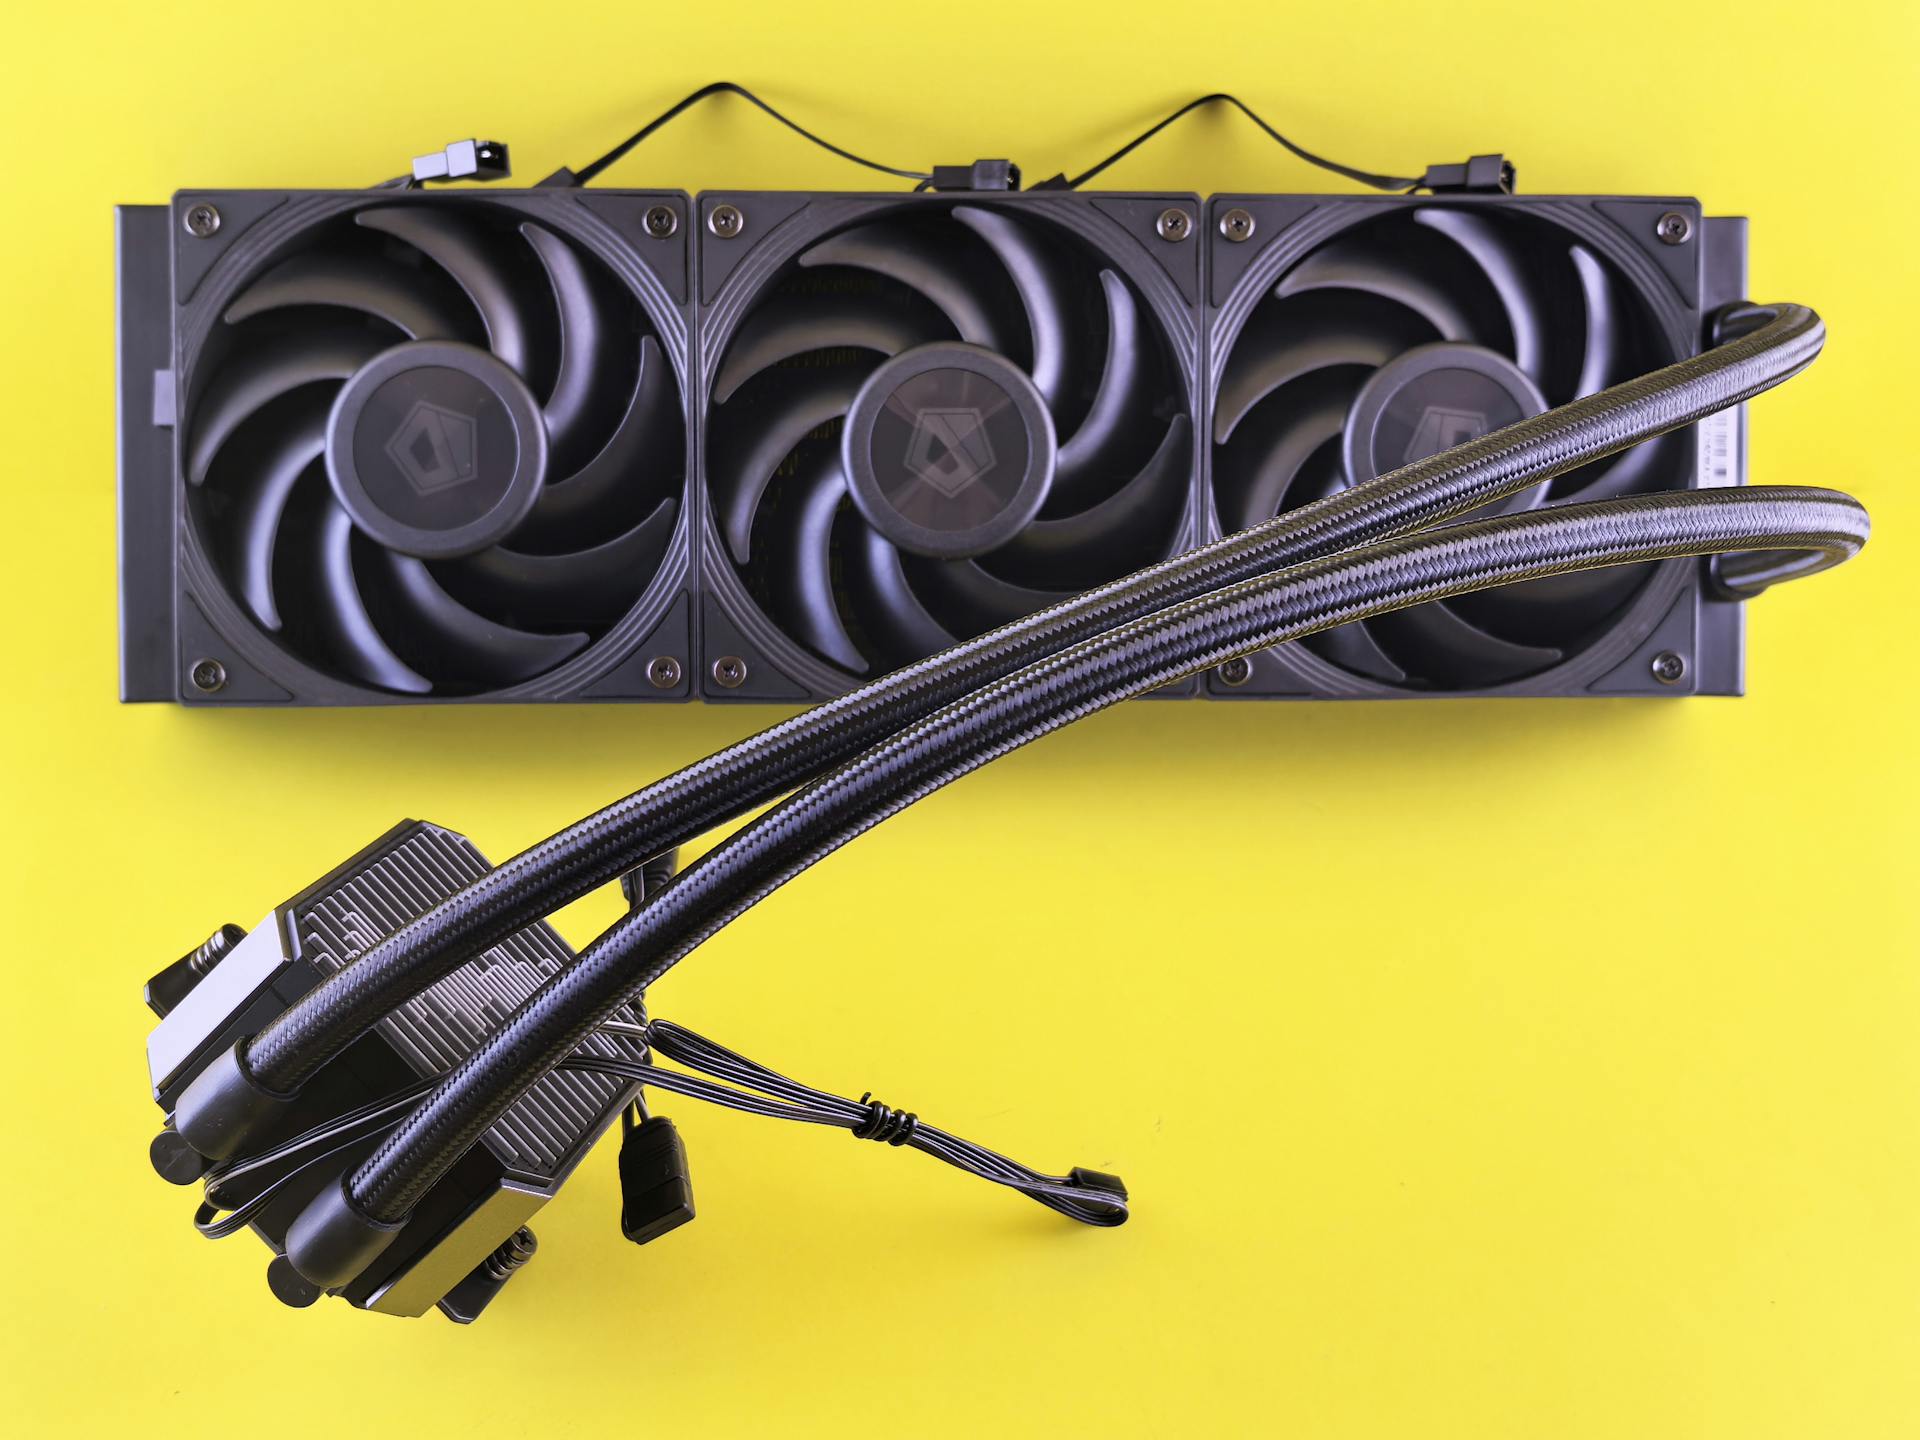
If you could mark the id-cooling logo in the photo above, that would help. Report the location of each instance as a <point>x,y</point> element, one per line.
<point>434,448</point>
<point>950,449</point>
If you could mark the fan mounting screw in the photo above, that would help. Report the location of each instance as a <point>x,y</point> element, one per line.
<point>209,677</point>
<point>730,672</point>
<point>663,672</point>
<point>1237,225</point>
<point>1174,224</point>
<point>1669,667</point>
<point>1673,228</point>
<point>1235,672</point>
<point>201,220</point>
<point>726,221</point>
<point>661,221</point>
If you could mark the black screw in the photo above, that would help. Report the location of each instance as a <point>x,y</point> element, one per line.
<point>215,948</point>
<point>1673,228</point>
<point>208,676</point>
<point>662,221</point>
<point>201,220</point>
<point>726,221</point>
<point>1174,224</point>
<point>1237,225</point>
<point>1235,672</point>
<point>663,672</point>
<point>730,672</point>
<point>516,1250</point>
<point>1669,667</point>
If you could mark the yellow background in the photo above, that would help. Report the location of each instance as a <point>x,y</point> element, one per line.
<point>1479,1069</point>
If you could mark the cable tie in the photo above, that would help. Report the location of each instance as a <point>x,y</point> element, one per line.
<point>885,1124</point>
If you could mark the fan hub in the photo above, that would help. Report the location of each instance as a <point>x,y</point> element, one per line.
<point>949,450</point>
<point>1430,399</point>
<point>436,449</point>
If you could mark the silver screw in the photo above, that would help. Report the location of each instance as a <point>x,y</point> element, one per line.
<point>1673,228</point>
<point>726,221</point>
<point>208,676</point>
<point>1669,667</point>
<point>201,220</point>
<point>1174,224</point>
<point>730,672</point>
<point>1237,225</point>
<point>663,672</point>
<point>1235,672</point>
<point>662,221</point>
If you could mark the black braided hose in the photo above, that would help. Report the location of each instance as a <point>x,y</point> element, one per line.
<point>1819,528</point>
<point>1781,340</point>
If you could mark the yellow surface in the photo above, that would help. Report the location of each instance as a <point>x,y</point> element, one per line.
<point>1480,1070</point>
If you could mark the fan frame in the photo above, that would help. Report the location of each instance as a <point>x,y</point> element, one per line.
<point>255,228</point>
<point>177,613</point>
<point>1120,227</point>
<point>1680,285</point>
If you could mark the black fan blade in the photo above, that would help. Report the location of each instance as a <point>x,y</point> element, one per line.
<point>1343,266</point>
<point>961,588</point>
<point>352,636</point>
<point>1455,652</point>
<point>1100,442</point>
<point>457,246</point>
<point>363,283</point>
<point>1498,257</point>
<point>1259,469</point>
<point>885,600</point>
<point>563,591</point>
<point>574,508</point>
<point>454,642</point>
<point>1351,646</point>
<point>904,254</point>
<point>1036,276</point>
<point>586,350</point>
<point>260,504</point>
<point>790,325</point>
<point>1257,370</point>
<point>786,405</point>
<point>1082,548</point>
<point>1542,611</point>
<point>801,571</point>
<point>266,373</point>
<point>1602,340</point>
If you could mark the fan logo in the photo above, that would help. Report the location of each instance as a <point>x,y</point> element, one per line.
<point>1442,427</point>
<point>950,449</point>
<point>434,448</point>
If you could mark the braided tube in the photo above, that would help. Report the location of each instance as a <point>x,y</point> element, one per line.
<point>290,1049</point>
<point>1819,527</point>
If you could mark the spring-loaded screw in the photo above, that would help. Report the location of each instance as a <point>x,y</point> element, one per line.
<point>516,1250</point>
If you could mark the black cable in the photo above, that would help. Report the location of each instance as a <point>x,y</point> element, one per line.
<point>237,1192</point>
<point>724,87</point>
<point>682,806</point>
<point>1820,527</point>
<point>1400,183</point>
<point>783,1098</point>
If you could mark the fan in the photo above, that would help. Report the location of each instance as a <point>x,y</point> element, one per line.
<point>938,421</point>
<point>435,448</point>
<point>1404,336</point>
